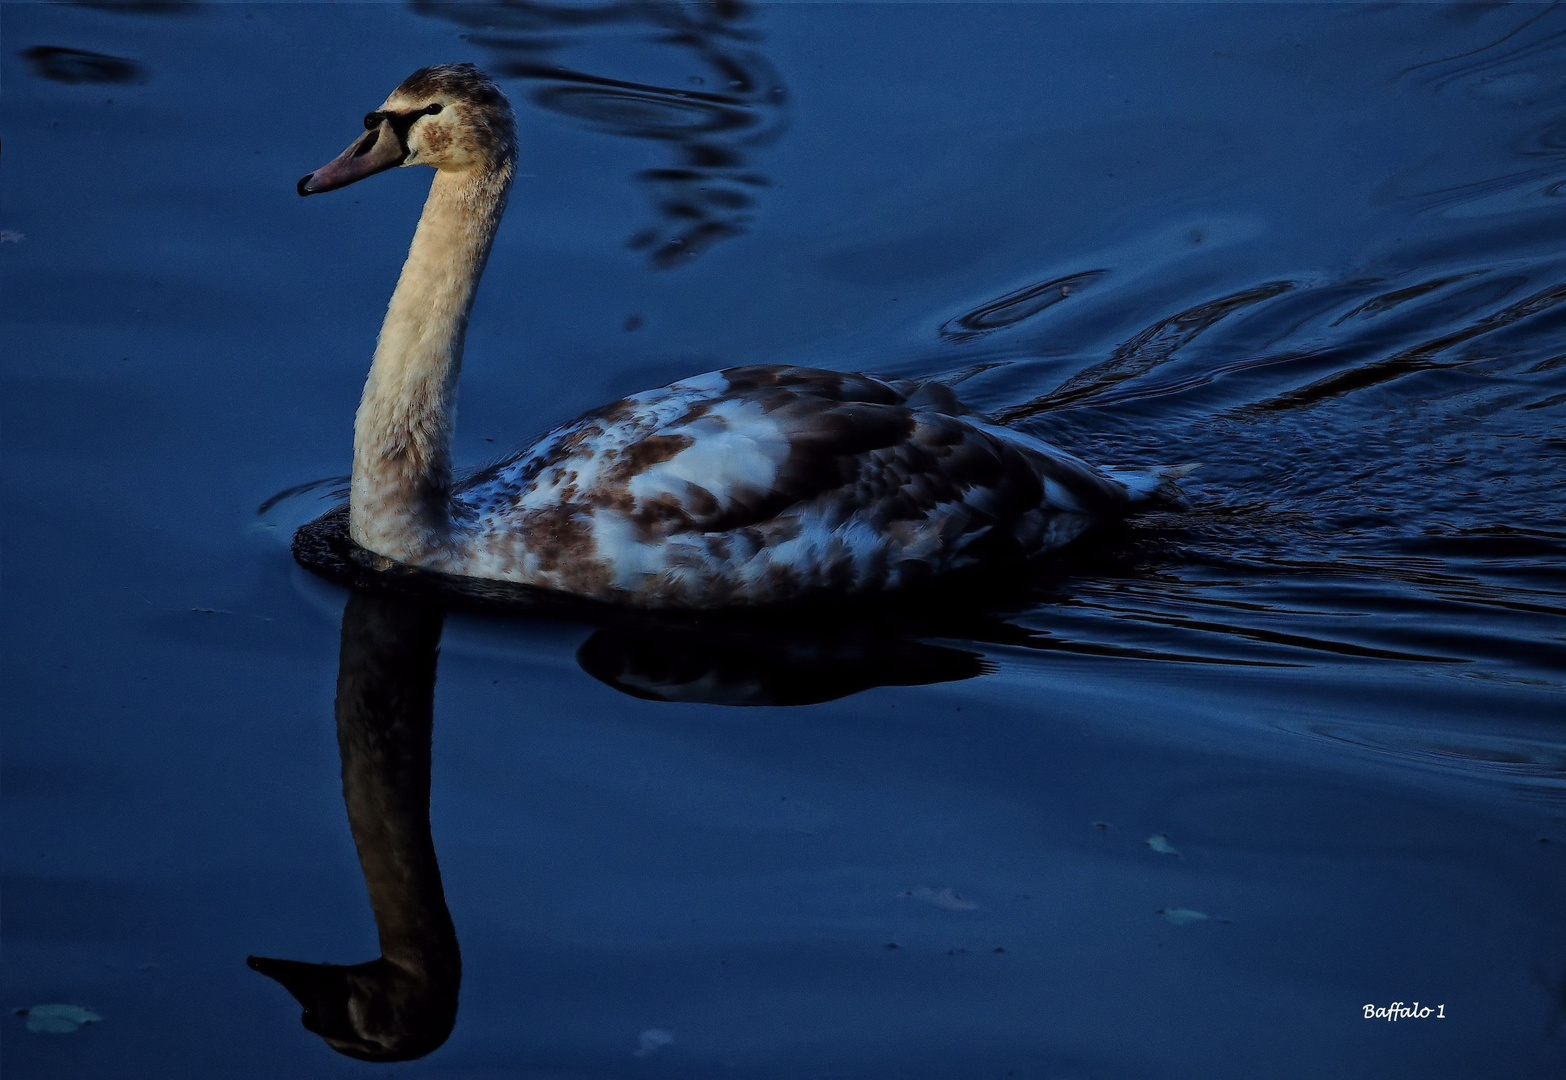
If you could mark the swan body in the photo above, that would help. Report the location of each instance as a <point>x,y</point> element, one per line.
<point>750,486</point>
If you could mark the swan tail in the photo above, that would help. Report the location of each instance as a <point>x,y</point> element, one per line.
<point>1158,485</point>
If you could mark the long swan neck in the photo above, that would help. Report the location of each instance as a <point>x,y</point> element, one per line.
<point>400,499</point>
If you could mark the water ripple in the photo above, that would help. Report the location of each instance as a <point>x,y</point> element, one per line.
<point>711,121</point>
<point>1015,306</point>
<point>1382,482</point>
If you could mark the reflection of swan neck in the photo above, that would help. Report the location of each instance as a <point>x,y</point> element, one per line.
<point>385,702</point>
<point>402,1004</point>
<point>400,500</point>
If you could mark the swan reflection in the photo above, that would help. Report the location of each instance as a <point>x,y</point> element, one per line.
<point>403,1004</point>
<point>766,669</point>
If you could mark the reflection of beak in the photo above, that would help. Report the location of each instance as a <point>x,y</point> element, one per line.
<point>376,151</point>
<point>321,988</point>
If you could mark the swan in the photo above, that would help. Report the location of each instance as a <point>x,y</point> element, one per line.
<point>750,486</point>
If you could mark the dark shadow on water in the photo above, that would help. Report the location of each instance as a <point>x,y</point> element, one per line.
<point>801,670</point>
<point>1555,989</point>
<point>142,7</point>
<point>76,66</point>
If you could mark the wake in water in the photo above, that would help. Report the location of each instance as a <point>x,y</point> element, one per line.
<point>1383,463</point>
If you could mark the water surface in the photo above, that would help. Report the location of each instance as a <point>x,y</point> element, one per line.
<point>1316,248</point>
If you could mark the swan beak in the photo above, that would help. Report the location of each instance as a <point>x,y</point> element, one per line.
<point>322,989</point>
<point>375,151</point>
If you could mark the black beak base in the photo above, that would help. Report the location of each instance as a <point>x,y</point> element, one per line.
<point>375,151</point>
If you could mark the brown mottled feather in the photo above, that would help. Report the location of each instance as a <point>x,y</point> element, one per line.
<point>768,484</point>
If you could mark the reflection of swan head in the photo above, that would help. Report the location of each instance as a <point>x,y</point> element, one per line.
<point>452,117</point>
<point>376,1011</point>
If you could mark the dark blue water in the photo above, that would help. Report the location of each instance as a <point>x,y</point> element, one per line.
<point>1321,249</point>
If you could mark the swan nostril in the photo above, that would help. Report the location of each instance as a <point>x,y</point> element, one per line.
<point>300,187</point>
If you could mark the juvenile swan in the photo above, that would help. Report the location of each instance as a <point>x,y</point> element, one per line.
<point>743,487</point>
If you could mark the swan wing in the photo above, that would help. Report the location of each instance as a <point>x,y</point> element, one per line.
<point>757,483</point>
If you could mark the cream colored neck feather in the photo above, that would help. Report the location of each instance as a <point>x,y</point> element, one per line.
<point>400,500</point>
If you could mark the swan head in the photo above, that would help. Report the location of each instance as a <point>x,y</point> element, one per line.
<point>376,1011</point>
<point>452,117</point>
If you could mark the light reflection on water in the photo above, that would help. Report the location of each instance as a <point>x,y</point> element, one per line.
<point>1315,248</point>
